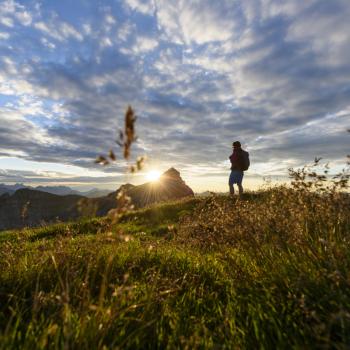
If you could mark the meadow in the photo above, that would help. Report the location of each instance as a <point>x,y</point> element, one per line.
<point>269,270</point>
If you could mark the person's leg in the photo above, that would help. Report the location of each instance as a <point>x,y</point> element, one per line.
<point>232,190</point>
<point>230,184</point>
<point>239,184</point>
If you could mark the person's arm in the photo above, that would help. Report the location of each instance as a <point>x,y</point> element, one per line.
<point>233,157</point>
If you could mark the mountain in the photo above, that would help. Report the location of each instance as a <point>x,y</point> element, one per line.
<point>30,207</point>
<point>14,187</point>
<point>95,193</point>
<point>58,190</point>
<point>65,190</point>
<point>169,186</point>
<point>10,189</point>
<point>4,190</point>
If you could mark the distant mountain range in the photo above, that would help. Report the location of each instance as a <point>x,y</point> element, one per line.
<point>58,190</point>
<point>27,207</point>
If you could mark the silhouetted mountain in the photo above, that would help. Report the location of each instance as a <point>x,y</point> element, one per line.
<point>10,189</point>
<point>169,186</point>
<point>4,190</point>
<point>28,207</point>
<point>4,195</point>
<point>14,187</point>
<point>65,190</point>
<point>58,190</point>
<point>95,193</point>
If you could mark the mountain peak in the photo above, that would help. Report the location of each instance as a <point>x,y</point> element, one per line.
<point>172,173</point>
<point>171,186</point>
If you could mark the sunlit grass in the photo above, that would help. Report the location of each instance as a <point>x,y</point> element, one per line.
<point>268,271</point>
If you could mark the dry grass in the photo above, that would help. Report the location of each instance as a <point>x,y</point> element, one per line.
<point>271,270</point>
<point>268,271</point>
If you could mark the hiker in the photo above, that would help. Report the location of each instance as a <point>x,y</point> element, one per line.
<point>239,163</point>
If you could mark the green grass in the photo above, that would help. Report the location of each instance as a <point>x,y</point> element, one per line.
<point>184,274</point>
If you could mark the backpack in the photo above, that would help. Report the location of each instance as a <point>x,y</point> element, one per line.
<point>245,162</point>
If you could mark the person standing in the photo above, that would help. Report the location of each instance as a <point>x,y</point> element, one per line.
<point>239,163</point>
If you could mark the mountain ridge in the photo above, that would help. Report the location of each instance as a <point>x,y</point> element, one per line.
<point>31,207</point>
<point>58,190</point>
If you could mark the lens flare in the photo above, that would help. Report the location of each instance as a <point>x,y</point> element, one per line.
<point>153,175</point>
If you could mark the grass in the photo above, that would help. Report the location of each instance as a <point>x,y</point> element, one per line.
<point>269,271</point>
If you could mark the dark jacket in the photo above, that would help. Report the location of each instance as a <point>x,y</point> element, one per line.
<point>236,159</point>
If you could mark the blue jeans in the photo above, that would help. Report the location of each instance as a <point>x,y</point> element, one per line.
<point>236,177</point>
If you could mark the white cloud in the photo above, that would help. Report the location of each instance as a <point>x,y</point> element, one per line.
<point>196,21</point>
<point>69,31</point>
<point>143,6</point>
<point>25,18</point>
<point>7,21</point>
<point>144,44</point>
<point>60,31</point>
<point>110,19</point>
<point>217,64</point>
<point>15,86</point>
<point>4,36</point>
<point>9,65</point>
<point>87,28</point>
<point>125,31</point>
<point>19,126</point>
<point>290,8</point>
<point>13,78</point>
<point>326,34</point>
<point>106,42</point>
<point>47,43</point>
<point>8,6</point>
<point>14,10</point>
<point>108,22</point>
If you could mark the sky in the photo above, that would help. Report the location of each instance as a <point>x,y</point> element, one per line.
<point>199,74</point>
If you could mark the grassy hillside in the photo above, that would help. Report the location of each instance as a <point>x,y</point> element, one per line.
<point>269,271</point>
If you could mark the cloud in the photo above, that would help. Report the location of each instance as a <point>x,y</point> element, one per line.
<point>110,19</point>
<point>144,44</point>
<point>47,43</point>
<point>35,178</point>
<point>60,31</point>
<point>4,36</point>
<point>9,6</point>
<point>197,22</point>
<point>14,10</point>
<point>143,6</point>
<point>330,19</point>
<point>199,74</point>
<point>25,18</point>
<point>6,21</point>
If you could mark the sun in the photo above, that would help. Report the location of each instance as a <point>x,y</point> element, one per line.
<point>153,175</point>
